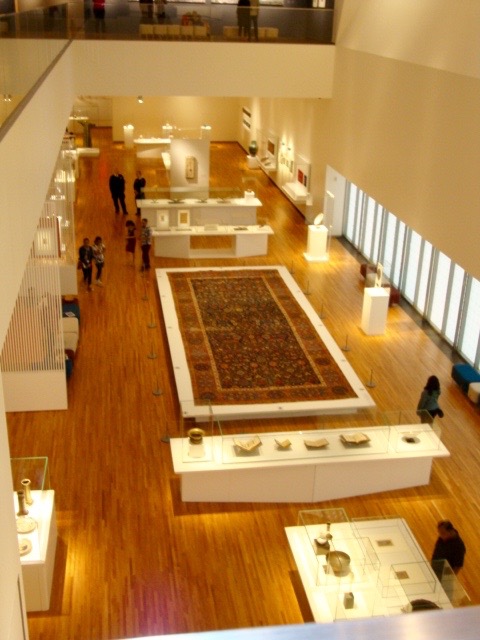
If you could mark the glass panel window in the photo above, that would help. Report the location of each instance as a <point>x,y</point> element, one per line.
<point>439,291</point>
<point>411,272</point>
<point>454,303</point>
<point>399,249</point>
<point>471,327</point>
<point>377,227</point>
<point>368,228</point>
<point>423,276</point>
<point>351,212</point>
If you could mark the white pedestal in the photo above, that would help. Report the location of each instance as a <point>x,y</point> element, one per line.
<point>317,243</point>
<point>303,475</point>
<point>128,135</point>
<point>252,162</point>
<point>376,589</point>
<point>375,310</point>
<point>37,566</point>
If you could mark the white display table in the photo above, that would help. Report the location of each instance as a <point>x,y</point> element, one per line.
<point>38,564</point>
<point>235,211</point>
<point>151,147</point>
<point>128,134</point>
<point>375,310</point>
<point>383,581</point>
<point>298,474</point>
<point>249,240</point>
<point>295,191</point>
<point>317,243</point>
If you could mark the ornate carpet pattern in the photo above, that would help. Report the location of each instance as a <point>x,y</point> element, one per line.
<point>248,341</point>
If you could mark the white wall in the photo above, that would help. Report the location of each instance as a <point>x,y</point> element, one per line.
<point>181,111</point>
<point>301,124</point>
<point>407,133</point>
<point>28,153</point>
<point>115,68</point>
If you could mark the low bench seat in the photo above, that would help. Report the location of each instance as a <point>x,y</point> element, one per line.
<point>464,375</point>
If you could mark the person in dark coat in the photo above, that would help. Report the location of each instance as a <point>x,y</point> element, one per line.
<point>243,18</point>
<point>138,188</point>
<point>428,407</point>
<point>117,189</point>
<point>449,546</point>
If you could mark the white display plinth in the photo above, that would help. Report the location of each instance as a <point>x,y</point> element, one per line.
<point>234,211</point>
<point>246,241</point>
<point>37,566</point>
<point>128,134</point>
<point>317,243</point>
<point>252,162</point>
<point>151,147</point>
<point>375,310</point>
<point>302,475</point>
<point>376,589</point>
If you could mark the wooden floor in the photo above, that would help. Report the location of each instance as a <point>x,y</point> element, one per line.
<point>132,559</point>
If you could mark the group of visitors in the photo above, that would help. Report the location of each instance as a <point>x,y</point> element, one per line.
<point>247,17</point>
<point>88,255</point>
<point>145,241</point>
<point>94,254</point>
<point>116,185</point>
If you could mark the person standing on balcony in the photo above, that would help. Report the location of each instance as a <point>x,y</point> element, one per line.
<point>243,18</point>
<point>254,9</point>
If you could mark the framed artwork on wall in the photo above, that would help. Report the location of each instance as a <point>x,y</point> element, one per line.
<point>163,221</point>
<point>183,217</point>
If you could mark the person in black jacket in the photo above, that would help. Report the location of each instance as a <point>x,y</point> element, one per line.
<point>138,187</point>
<point>243,18</point>
<point>85,259</point>
<point>117,189</point>
<point>449,546</point>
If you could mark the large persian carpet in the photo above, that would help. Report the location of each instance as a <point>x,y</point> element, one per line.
<point>248,341</point>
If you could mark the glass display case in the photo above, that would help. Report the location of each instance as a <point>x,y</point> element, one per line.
<point>197,441</point>
<point>413,431</point>
<point>344,564</point>
<point>367,567</point>
<point>242,443</point>
<point>31,483</point>
<point>177,195</point>
<point>33,502</point>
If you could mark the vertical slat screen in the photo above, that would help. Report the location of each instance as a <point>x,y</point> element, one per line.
<point>34,340</point>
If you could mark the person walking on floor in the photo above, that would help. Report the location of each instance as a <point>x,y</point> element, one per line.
<point>117,190</point>
<point>85,258</point>
<point>145,242</point>
<point>131,238</point>
<point>99,257</point>
<point>138,187</point>
<point>428,407</point>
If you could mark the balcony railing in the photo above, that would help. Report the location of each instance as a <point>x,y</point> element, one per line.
<point>124,20</point>
<point>38,36</point>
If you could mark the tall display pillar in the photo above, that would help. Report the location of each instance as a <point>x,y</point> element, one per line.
<point>375,310</point>
<point>128,135</point>
<point>317,243</point>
